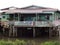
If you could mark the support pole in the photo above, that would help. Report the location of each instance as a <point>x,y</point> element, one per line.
<point>59,32</point>
<point>10,31</point>
<point>34,32</point>
<point>50,32</point>
<point>16,31</point>
<point>3,30</point>
<point>58,29</point>
<point>13,31</point>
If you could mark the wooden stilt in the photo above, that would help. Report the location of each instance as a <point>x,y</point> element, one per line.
<point>3,30</point>
<point>10,31</point>
<point>13,31</point>
<point>50,32</point>
<point>59,31</point>
<point>33,31</point>
<point>16,32</point>
<point>54,31</point>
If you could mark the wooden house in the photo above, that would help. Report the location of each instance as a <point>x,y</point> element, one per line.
<point>31,21</point>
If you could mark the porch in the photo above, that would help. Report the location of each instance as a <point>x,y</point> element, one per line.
<point>33,23</point>
<point>29,24</point>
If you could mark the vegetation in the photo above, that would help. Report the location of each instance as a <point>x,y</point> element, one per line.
<point>22,42</point>
<point>16,42</point>
<point>51,43</point>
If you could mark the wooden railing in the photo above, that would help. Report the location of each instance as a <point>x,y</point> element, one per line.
<point>42,24</point>
<point>31,23</point>
<point>23,23</point>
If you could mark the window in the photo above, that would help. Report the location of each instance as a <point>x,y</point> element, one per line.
<point>30,18</point>
<point>16,18</point>
<point>43,18</point>
<point>58,17</point>
<point>47,17</point>
<point>3,16</point>
<point>0,18</point>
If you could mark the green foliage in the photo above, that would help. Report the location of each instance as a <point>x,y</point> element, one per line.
<point>23,42</point>
<point>51,43</point>
<point>16,42</point>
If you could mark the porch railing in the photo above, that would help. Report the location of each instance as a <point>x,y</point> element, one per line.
<point>31,23</point>
<point>23,23</point>
<point>43,24</point>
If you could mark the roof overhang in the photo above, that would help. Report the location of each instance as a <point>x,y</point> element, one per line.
<point>29,11</point>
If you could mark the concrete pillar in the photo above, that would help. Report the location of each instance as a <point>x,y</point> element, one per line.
<point>33,31</point>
